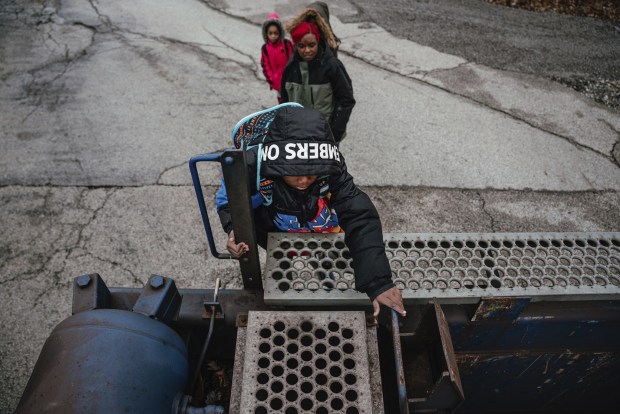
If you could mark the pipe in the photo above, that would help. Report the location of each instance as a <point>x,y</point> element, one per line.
<point>208,340</point>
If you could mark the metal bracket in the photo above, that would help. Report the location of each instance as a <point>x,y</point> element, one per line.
<point>430,346</point>
<point>234,168</point>
<point>219,313</point>
<point>213,308</point>
<point>90,292</point>
<point>159,299</point>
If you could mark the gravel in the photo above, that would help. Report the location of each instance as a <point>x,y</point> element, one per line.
<point>580,52</point>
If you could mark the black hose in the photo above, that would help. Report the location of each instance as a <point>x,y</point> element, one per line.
<point>208,340</point>
<point>204,350</point>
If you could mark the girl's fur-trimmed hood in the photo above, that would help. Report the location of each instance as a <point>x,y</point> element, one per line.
<point>313,15</point>
<point>273,18</point>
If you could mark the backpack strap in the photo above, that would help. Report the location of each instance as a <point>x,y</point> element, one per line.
<point>323,183</point>
<point>264,49</point>
<point>265,188</point>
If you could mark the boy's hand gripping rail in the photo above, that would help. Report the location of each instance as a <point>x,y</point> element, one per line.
<point>235,173</point>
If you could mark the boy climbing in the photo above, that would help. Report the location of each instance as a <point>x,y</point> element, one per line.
<point>301,184</point>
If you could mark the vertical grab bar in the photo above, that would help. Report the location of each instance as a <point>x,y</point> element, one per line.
<point>201,201</point>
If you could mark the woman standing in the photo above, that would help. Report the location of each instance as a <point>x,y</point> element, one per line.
<point>318,14</point>
<point>316,79</point>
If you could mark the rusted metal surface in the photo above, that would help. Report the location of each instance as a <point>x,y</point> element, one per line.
<point>501,341</point>
<point>454,268</point>
<point>431,371</point>
<point>308,362</point>
<point>500,309</point>
<point>400,371</point>
<point>450,358</point>
<point>192,310</point>
<point>374,368</point>
<point>237,380</point>
<point>427,374</point>
<point>447,393</point>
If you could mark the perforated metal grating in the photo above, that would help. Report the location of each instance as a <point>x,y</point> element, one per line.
<point>315,268</point>
<point>307,362</point>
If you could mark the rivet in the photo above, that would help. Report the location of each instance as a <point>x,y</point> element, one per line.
<point>83,281</point>
<point>157,282</point>
<point>229,160</point>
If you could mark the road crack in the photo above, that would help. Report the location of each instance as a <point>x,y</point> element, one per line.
<point>483,205</point>
<point>161,175</point>
<point>570,140</point>
<point>114,263</point>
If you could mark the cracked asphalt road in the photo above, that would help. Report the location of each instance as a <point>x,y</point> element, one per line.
<point>103,103</point>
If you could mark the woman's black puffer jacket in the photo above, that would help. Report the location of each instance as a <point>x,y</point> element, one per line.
<point>322,84</point>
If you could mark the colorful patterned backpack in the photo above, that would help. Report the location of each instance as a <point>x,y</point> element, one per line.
<point>250,133</point>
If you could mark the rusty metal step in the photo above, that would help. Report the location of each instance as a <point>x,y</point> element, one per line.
<point>297,362</point>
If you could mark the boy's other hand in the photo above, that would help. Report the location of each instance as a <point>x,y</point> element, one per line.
<point>236,249</point>
<point>390,298</point>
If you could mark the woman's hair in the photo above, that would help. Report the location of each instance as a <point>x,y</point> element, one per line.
<point>303,29</point>
<point>314,16</point>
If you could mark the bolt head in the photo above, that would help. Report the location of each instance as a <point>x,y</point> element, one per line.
<point>229,160</point>
<point>83,281</point>
<point>157,282</point>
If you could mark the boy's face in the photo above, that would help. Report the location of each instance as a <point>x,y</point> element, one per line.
<point>273,34</point>
<point>308,47</point>
<point>299,182</point>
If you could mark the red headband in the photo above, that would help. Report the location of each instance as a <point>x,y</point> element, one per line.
<point>303,29</point>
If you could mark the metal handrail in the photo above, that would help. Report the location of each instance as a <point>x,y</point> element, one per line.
<point>201,201</point>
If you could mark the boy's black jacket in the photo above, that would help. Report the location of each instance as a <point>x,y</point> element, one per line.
<point>356,213</point>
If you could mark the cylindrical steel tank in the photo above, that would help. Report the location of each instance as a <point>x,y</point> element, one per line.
<point>107,361</point>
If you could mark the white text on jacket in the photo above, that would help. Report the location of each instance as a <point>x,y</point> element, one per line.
<point>302,151</point>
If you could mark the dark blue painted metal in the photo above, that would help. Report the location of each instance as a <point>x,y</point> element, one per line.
<point>555,357</point>
<point>547,382</point>
<point>588,326</point>
<point>201,200</point>
<point>107,361</point>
